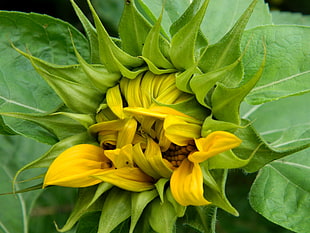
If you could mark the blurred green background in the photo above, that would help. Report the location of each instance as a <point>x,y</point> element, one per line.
<point>56,203</point>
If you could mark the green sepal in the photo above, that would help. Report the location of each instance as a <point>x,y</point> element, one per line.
<point>59,125</point>
<point>115,210</point>
<point>111,56</point>
<point>217,196</point>
<point>179,209</point>
<point>203,83</point>
<point>90,32</point>
<point>139,200</point>
<point>31,188</point>
<point>152,47</point>
<point>195,110</point>
<point>253,144</point>
<point>182,79</point>
<point>155,70</point>
<point>227,50</point>
<point>226,101</point>
<point>160,186</point>
<point>200,218</point>
<point>98,74</point>
<point>86,203</point>
<point>133,34</point>
<point>183,43</point>
<point>85,120</point>
<point>201,41</point>
<point>210,125</point>
<point>162,216</point>
<point>74,88</point>
<point>46,159</point>
<point>228,160</point>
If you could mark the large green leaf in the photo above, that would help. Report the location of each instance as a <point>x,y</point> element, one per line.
<point>21,89</point>
<point>284,124</point>
<point>281,192</point>
<point>287,70</point>
<point>16,151</point>
<point>222,15</point>
<point>282,17</point>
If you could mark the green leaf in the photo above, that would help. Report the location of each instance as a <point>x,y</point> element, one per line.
<point>284,124</point>
<point>222,15</point>
<point>116,209</point>
<point>286,72</point>
<point>282,17</point>
<point>253,145</point>
<point>22,89</point>
<point>15,151</point>
<point>281,192</point>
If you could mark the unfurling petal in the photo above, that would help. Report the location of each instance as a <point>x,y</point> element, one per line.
<point>75,166</point>
<point>186,184</point>
<point>180,131</point>
<point>121,157</point>
<point>213,144</point>
<point>128,178</point>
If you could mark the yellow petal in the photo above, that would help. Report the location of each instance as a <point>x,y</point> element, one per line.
<point>126,135</point>
<point>128,178</point>
<point>121,157</point>
<point>142,162</point>
<point>179,131</point>
<point>215,143</point>
<point>74,167</point>
<point>115,102</point>
<point>154,157</point>
<point>186,184</point>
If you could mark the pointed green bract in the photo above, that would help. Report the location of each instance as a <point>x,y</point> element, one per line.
<point>60,126</point>
<point>133,35</point>
<point>138,202</point>
<point>183,42</point>
<point>90,32</point>
<point>219,198</point>
<point>111,56</point>
<point>116,209</point>
<point>227,50</point>
<point>152,48</point>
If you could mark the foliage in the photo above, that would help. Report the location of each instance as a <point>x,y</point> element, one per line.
<point>273,56</point>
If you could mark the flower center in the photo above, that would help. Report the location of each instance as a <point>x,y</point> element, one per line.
<point>176,154</point>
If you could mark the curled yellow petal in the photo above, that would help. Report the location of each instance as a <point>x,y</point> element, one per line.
<point>215,143</point>
<point>186,184</point>
<point>75,166</point>
<point>128,178</point>
<point>121,157</point>
<point>179,131</point>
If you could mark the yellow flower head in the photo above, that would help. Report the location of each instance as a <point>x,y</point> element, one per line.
<point>141,141</point>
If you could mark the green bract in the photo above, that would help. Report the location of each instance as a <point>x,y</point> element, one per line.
<point>232,72</point>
